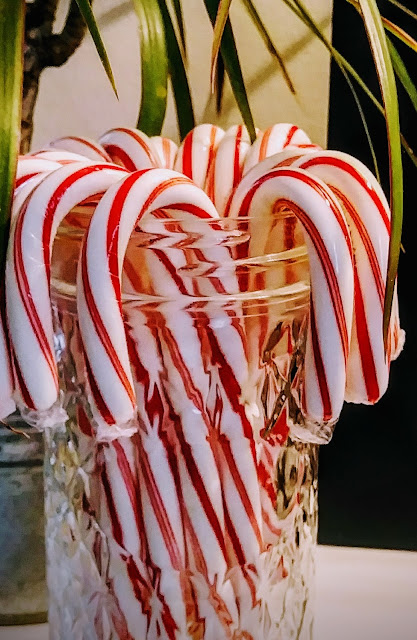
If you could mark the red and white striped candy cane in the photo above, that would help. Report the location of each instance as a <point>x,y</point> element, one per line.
<point>140,194</point>
<point>130,148</point>
<point>275,139</point>
<point>81,145</point>
<point>210,379</point>
<point>175,437</point>
<point>196,153</point>
<point>331,271</point>
<point>28,274</point>
<point>227,167</point>
<point>59,155</point>
<point>166,150</point>
<point>30,171</point>
<point>99,292</point>
<point>29,167</point>
<point>368,215</point>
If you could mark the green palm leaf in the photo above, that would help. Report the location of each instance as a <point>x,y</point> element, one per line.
<point>180,22</point>
<point>219,25</point>
<point>232,66</point>
<point>406,10</point>
<point>402,74</point>
<point>178,75</point>
<point>297,7</point>
<point>12,19</point>
<point>263,32</point>
<point>399,33</point>
<point>154,64</point>
<point>380,51</point>
<point>88,15</point>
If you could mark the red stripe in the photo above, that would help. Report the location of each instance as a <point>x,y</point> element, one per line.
<point>89,145</point>
<point>315,236</point>
<point>141,142</point>
<point>118,154</point>
<point>27,398</point>
<point>365,347</point>
<point>194,209</point>
<point>103,334</point>
<point>98,398</point>
<point>330,276</point>
<point>27,299</point>
<point>211,149</point>
<point>367,243</point>
<point>345,166</point>
<point>166,149</point>
<point>192,468</point>
<point>159,510</point>
<point>187,155</point>
<point>112,235</point>
<point>18,183</point>
<point>320,370</point>
<point>237,169</point>
<point>291,133</point>
<point>54,200</point>
<point>263,149</point>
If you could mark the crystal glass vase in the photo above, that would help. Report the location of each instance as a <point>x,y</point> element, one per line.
<point>202,523</point>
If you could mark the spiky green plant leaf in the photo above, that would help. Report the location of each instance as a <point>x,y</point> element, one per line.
<point>401,34</point>
<point>88,15</point>
<point>178,75</point>
<point>12,20</point>
<point>402,74</point>
<point>179,16</point>
<point>346,69</point>
<point>380,51</point>
<point>403,8</point>
<point>232,66</point>
<point>263,32</point>
<point>298,8</point>
<point>154,67</point>
<point>219,84</point>
<point>218,29</point>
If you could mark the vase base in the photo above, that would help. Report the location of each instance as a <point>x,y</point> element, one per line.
<point>16,619</point>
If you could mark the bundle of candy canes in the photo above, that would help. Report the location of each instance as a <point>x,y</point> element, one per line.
<point>188,490</point>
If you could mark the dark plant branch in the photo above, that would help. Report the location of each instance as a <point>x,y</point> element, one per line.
<point>60,46</point>
<point>44,48</point>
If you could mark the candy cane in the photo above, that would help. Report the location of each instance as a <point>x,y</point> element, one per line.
<point>99,292</point>
<point>368,215</point>
<point>139,195</point>
<point>120,207</point>
<point>275,139</point>
<point>330,255</point>
<point>221,420</point>
<point>83,146</point>
<point>172,432</point>
<point>226,347</point>
<point>227,167</point>
<point>196,152</point>
<point>61,156</point>
<point>130,148</point>
<point>28,274</point>
<point>30,171</point>
<point>166,150</point>
<point>29,167</point>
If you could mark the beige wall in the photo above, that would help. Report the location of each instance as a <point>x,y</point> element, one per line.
<point>77,97</point>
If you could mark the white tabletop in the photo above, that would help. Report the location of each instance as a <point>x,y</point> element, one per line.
<point>362,594</point>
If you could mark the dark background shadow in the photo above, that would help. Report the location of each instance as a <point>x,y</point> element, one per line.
<point>368,473</point>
